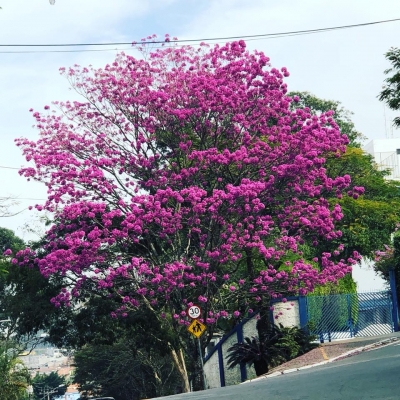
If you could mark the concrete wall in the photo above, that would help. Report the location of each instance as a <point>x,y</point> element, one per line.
<point>232,376</point>
<point>249,330</point>
<point>288,315</point>
<point>211,371</point>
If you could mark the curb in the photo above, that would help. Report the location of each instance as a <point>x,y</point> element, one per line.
<point>350,353</point>
<point>372,346</point>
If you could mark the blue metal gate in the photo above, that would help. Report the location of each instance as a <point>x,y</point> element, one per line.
<point>345,316</point>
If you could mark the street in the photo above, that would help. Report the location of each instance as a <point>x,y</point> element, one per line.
<point>369,375</point>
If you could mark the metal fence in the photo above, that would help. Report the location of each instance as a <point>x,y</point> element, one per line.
<point>330,317</point>
<point>345,316</point>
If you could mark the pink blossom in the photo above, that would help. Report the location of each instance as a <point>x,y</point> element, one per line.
<point>191,160</point>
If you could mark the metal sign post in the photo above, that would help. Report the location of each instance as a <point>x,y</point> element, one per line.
<point>202,364</point>
<point>196,328</point>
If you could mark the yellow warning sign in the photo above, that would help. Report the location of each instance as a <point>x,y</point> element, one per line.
<point>196,328</point>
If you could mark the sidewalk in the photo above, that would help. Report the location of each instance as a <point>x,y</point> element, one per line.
<point>333,351</point>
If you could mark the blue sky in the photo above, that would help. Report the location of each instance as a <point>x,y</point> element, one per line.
<point>344,65</point>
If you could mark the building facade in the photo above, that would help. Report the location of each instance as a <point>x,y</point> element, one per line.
<point>386,153</point>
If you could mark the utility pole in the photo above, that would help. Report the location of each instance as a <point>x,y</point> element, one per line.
<point>47,391</point>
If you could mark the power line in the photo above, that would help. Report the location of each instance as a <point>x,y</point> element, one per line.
<point>61,51</point>
<point>132,48</point>
<point>8,167</point>
<point>260,36</point>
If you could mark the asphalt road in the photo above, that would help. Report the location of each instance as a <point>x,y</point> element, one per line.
<point>371,375</point>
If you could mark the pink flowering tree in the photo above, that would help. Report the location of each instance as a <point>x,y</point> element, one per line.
<point>186,177</point>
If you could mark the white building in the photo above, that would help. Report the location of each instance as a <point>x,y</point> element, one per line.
<point>386,153</point>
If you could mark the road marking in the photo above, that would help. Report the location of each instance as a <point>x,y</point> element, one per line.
<point>324,353</point>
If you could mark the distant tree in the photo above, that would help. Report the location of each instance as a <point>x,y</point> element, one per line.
<point>126,370</point>
<point>26,296</point>
<point>14,376</point>
<point>24,292</point>
<point>8,241</point>
<point>48,386</point>
<point>368,221</point>
<point>390,93</point>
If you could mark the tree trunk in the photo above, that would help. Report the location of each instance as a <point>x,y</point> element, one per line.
<point>264,324</point>
<point>250,264</point>
<point>179,362</point>
<point>261,367</point>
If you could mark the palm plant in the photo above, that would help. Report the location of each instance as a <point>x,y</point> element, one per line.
<point>305,341</point>
<point>277,345</point>
<point>260,353</point>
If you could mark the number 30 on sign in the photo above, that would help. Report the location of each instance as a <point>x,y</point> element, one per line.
<point>194,312</point>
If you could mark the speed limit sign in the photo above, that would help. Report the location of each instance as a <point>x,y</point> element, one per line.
<point>194,312</point>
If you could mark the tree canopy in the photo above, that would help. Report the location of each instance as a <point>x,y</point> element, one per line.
<point>24,292</point>
<point>14,376</point>
<point>388,258</point>
<point>184,178</point>
<point>342,116</point>
<point>368,221</point>
<point>192,177</point>
<point>129,368</point>
<point>8,241</point>
<point>390,93</point>
<point>48,386</point>
<point>187,177</point>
